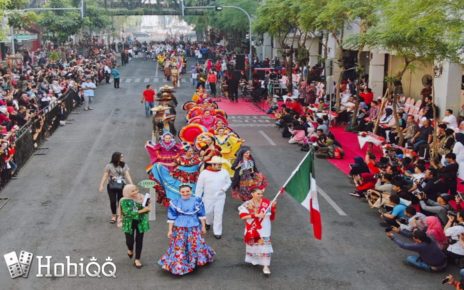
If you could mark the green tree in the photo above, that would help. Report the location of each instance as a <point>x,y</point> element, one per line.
<point>60,25</point>
<point>280,18</point>
<point>417,31</point>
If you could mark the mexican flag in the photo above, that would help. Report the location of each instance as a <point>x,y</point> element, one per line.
<point>302,187</point>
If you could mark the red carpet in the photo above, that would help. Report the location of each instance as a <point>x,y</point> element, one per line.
<point>350,145</point>
<point>241,108</point>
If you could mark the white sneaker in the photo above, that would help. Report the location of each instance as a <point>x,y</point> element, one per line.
<point>266,270</point>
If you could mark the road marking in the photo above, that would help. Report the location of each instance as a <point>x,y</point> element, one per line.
<point>146,80</point>
<point>251,125</point>
<point>157,70</point>
<point>128,80</point>
<point>137,80</point>
<point>156,80</point>
<point>331,202</point>
<point>267,138</point>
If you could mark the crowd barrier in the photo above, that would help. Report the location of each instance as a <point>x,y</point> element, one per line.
<point>30,136</point>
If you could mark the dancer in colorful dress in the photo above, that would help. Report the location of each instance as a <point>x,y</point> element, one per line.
<point>187,248</point>
<point>229,144</point>
<point>167,181</point>
<point>246,176</point>
<point>258,213</point>
<point>207,146</point>
<point>165,152</point>
<point>208,120</point>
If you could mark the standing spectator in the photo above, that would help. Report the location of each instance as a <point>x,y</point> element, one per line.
<point>116,173</point>
<point>133,221</point>
<point>116,76</point>
<point>88,88</point>
<point>148,98</point>
<point>212,80</point>
<point>458,150</point>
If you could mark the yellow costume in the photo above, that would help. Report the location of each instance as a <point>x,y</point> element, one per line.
<point>230,145</point>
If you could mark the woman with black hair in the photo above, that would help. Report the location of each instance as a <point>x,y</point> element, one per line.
<point>246,176</point>
<point>116,173</point>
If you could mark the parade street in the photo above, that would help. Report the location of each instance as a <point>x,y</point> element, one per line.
<point>55,209</point>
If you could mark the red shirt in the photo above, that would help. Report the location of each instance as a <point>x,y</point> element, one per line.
<point>149,95</point>
<point>212,79</point>
<point>367,97</point>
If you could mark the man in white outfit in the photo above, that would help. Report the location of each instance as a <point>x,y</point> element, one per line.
<point>212,185</point>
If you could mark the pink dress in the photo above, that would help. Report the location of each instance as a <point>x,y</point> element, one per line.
<point>165,154</point>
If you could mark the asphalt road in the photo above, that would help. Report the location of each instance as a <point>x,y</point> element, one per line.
<point>55,209</point>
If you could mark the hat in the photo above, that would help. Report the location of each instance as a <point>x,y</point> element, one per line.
<point>218,160</point>
<point>159,108</point>
<point>166,88</point>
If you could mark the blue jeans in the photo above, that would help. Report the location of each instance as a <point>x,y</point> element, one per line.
<point>417,144</point>
<point>417,262</point>
<point>148,107</point>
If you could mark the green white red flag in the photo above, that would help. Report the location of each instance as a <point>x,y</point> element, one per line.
<point>302,187</point>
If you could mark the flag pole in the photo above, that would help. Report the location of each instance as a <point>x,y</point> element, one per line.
<point>282,189</point>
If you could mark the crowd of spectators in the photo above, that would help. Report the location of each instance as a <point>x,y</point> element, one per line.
<point>412,175</point>
<point>33,84</point>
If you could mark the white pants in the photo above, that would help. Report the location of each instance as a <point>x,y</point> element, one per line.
<point>214,208</point>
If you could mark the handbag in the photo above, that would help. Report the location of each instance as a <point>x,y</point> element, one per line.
<point>116,183</point>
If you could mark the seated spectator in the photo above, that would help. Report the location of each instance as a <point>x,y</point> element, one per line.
<point>364,182</point>
<point>416,220</point>
<point>380,195</point>
<point>429,258</point>
<point>450,120</point>
<point>435,232</point>
<point>359,166</point>
<point>398,211</point>
<point>439,208</point>
<point>455,226</point>
<point>410,130</point>
<point>423,137</point>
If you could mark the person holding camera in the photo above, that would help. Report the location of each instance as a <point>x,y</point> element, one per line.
<point>439,208</point>
<point>458,285</point>
<point>398,212</point>
<point>133,219</point>
<point>116,173</point>
<point>416,220</point>
<point>429,258</point>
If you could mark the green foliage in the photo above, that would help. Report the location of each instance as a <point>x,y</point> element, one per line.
<point>278,18</point>
<point>94,16</point>
<point>419,30</point>
<point>229,20</point>
<point>60,25</point>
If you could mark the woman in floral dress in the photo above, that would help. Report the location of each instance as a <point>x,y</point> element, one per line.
<point>246,175</point>
<point>187,248</point>
<point>185,172</point>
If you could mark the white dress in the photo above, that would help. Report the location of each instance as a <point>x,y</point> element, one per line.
<point>258,253</point>
<point>458,149</point>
